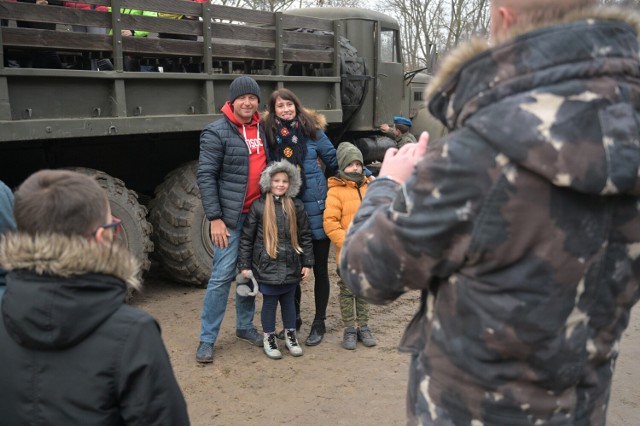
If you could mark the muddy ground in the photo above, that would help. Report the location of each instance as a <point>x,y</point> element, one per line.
<point>326,386</point>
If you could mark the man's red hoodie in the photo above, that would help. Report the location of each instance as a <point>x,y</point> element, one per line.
<point>257,154</point>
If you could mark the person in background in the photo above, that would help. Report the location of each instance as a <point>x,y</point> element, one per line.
<point>9,61</point>
<point>296,134</point>
<point>521,227</point>
<point>7,223</point>
<point>39,58</point>
<point>400,131</point>
<point>132,63</point>
<point>72,351</point>
<point>85,6</point>
<point>232,157</point>
<point>175,64</point>
<point>343,199</point>
<point>276,248</point>
<point>95,64</point>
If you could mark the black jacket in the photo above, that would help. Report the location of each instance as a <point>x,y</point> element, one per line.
<point>252,255</point>
<point>72,352</point>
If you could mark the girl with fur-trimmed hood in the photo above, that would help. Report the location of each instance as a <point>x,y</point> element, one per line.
<point>276,248</point>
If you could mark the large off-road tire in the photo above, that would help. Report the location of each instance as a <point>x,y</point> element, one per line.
<point>136,230</point>
<point>181,229</point>
<point>353,71</point>
<point>354,76</point>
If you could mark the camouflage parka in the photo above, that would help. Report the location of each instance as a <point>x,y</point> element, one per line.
<point>521,227</point>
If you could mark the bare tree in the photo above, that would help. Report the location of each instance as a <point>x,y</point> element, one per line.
<point>282,5</point>
<point>420,23</point>
<point>268,5</point>
<point>331,3</point>
<point>466,18</point>
<point>232,3</point>
<point>628,3</point>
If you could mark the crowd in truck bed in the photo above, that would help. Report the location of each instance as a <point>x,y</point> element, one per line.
<point>45,58</point>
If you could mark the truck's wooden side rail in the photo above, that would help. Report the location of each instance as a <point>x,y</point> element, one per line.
<point>235,34</point>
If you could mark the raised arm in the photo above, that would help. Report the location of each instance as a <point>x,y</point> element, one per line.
<point>406,234</point>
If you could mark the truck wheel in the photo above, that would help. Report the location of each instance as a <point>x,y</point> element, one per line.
<point>136,231</point>
<point>181,229</point>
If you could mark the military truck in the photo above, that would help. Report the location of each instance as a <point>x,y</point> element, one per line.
<point>137,132</point>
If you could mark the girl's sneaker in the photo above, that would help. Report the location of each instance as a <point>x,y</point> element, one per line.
<point>291,342</point>
<point>271,347</point>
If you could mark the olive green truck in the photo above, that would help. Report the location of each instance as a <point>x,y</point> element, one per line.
<point>137,132</point>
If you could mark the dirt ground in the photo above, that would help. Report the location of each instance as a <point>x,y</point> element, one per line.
<point>326,386</point>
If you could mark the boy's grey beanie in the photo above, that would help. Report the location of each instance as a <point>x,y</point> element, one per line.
<point>243,85</point>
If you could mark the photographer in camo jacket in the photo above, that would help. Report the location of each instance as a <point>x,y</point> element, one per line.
<point>521,226</point>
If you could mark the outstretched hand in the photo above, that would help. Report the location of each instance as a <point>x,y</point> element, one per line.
<point>399,164</point>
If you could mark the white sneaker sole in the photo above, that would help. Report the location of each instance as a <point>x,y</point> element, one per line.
<point>295,351</point>
<point>273,355</point>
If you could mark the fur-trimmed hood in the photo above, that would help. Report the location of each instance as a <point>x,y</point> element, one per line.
<point>64,256</point>
<point>559,100</point>
<point>60,289</point>
<point>295,182</point>
<point>320,119</point>
<point>451,64</point>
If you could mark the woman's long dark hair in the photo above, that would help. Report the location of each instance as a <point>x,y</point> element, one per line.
<point>308,123</point>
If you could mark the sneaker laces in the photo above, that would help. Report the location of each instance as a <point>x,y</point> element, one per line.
<point>272,342</point>
<point>350,334</point>
<point>366,333</point>
<point>291,338</point>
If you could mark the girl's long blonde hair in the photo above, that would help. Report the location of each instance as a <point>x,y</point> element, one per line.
<point>270,227</point>
<point>269,223</point>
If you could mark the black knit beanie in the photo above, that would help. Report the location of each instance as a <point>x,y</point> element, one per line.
<point>243,85</point>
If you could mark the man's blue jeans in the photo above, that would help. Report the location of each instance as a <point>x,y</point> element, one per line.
<point>217,295</point>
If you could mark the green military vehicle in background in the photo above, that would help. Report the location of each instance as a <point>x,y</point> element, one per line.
<point>137,133</point>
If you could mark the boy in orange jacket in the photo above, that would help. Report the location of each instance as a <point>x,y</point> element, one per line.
<point>345,193</point>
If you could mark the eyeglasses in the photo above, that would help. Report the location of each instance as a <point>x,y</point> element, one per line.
<point>115,225</point>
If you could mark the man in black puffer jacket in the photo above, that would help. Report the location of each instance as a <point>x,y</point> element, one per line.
<point>73,353</point>
<point>232,156</point>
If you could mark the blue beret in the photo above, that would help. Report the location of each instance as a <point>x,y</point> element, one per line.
<point>402,120</point>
